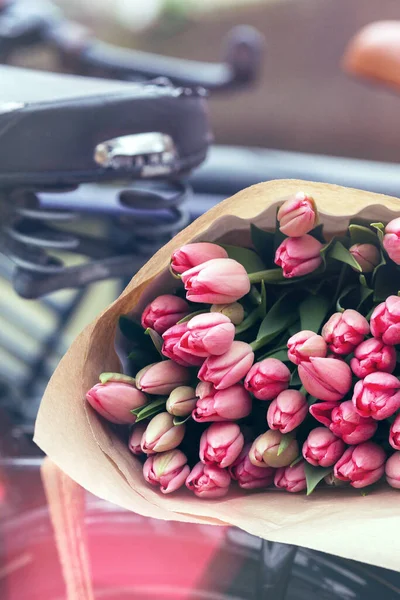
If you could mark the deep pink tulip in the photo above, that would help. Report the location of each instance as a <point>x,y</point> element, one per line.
<point>291,479</point>
<point>391,240</point>
<point>377,396</point>
<point>163,312</point>
<point>247,475</point>
<point>385,321</point>
<point>267,379</point>
<point>392,470</point>
<point>372,355</point>
<point>208,481</point>
<point>350,426</point>
<point>135,438</point>
<point>173,350</point>
<point>162,377</point>
<point>325,378</point>
<point>394,437</point>
<point>217,281</point>
<point>226,370</point>
<point>367,256</point>
<point>322,448</point>
<point>304,344</point>
<point>115,400</point>
<point>272,440</point>
<point>297,215</point>
<point>343,332</point>
<point>168,470</point>
<point>161,434</point>
<point>322,412</point>
<point>287,411</point>
<point>299,255</point>
<point>229,404</point>
<point>191,255</point>
<point>221,444</point>
<point>207,335</point>
<point>361,465</point>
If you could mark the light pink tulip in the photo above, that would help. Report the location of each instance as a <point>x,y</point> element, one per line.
<point>385,321</point>
<point>350,426</point>
<point>291,479</point>
<point>191,255</point>
<point>161,434</point>
<point>297,215</point>
<point>208,334</point>
<point>304,344</point>
<point>272,441</point>
<point>221,444</point>
<point>322,412</point>
<point>181,401</point>
<point>163,312</point>
<point>208,481</point>
<point>217,281</point>
<point>325,378</point>
<point>392,470</point>
<point>372,355</point>
<point>299,256</point>
<point>168,470</point>
<point>287,411</point>
<point>247,475</point>
<point>226,370</point>
<point>162,377</point>
<point>391,240</point>
<point>343,332</point>
<point>394,436</point>
<point>135,438</point>
<point>229,404</point>
<point>322,448</point>
<point>173,350</point>
<point>377,396</point>
<point>234,311</point>
<point>361,465</point>
<point>267,379</point>
<point>367,256</point>
<point>115,400</point>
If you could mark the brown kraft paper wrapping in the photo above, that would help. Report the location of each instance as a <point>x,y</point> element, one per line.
<point>337,521</point>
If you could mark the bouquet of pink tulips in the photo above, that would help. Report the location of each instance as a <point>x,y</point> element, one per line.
<point>255,353</point>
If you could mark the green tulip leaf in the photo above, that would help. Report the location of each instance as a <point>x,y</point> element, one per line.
<point>120,377</point>
<point>314,475</point>
<point>313,311</point>
<point>286,440</point>
<point>296,461</point>
<point>281,315</point>
<point>193,314</point>
<point>246,257</point>
<point>318,233</point>
<point>156,339</point>
<point>149,410</point>
<point>342,254</point>
<point>181,420</point>
<point>380,228</point>
<point>362,235</point>
<point>263,242</point>
<point>295,380</point>
<point>386,282</point>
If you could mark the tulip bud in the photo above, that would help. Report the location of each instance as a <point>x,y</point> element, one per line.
<point>299,256</point>
<point>392,470</point>
<point>391,240</point>
<point>385,321</point>
<point>115,400</point>
<point>135,438</point>
<point>333,481</point>
<point>367,256</point>
<point>192,255</point>
<point>229,404</point>
<point>361,465</point>
<point>344,331</point>
<point>371,356</point>
<point>172,348</point>
<point>322,448</point>
<point>221,444</point>
<point>325,378</point>
<point>322,412</point>
<point>287,411</point>
<point>304,344</point>
<point>217,281</point>
<point>377,396</point>
<point>161,434</point>
<point>270,455</point>
<point>234,311</point>
<point>258,447</point>
<point>226,370</point>
<point>208,334</point>
<point>163,312</point>
<point>247,475</point>
<point>168,470</point>
<point>267,379</point>
<point>181,401</point>
<point>297,215</point>
<point>208,481</point>
<point>350,426</point>
<point>291,479</point>
<point>394,437</point>
<point>162,378</point>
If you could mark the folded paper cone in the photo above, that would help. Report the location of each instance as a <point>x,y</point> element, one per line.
<point>82,444</point>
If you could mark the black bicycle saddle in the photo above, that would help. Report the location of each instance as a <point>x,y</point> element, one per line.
<point>63,130</point>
